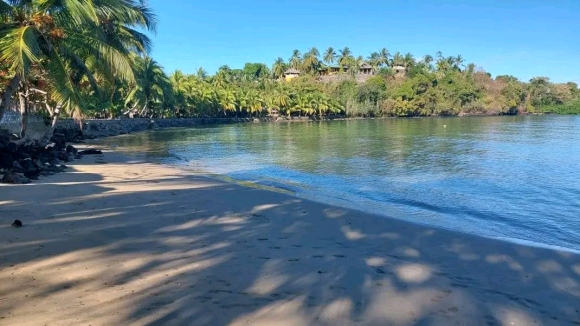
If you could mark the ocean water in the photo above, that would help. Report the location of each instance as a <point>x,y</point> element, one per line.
<point>515,178</point>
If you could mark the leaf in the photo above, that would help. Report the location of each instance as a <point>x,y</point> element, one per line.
<point>19,47</point>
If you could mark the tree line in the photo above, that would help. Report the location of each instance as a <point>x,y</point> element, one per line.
<point>89,59</point>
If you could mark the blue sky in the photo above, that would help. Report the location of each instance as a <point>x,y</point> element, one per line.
<point>522,38</point>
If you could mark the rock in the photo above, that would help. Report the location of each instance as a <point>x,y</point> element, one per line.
<point>32,174</point>
<point>90,152</point>
<point>71,149</point>
<point>6,160</point>
<point>17,166</point>
<point>15,178</point>
<point>17,223</point>
<point>62,166</point>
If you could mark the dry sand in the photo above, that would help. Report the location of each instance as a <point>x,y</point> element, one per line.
<point>134,243</point>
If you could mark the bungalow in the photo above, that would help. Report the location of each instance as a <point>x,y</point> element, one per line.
<point>366,69</point>
<point>399,69</point>
<point>291,73</point>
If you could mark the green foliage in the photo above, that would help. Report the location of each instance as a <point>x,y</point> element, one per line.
<point>256,70</point>
<point>572,107</point>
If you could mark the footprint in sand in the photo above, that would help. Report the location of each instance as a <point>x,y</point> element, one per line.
<point>262,239</point>
<point>339,256</point>
<point>294,259</point>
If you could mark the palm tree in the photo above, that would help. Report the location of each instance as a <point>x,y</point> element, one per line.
<point>311,62</point>
<point>72,42</point>
<point>278,68</point>
<point>295,61</point>
<point>152,86</point>
<point>201,73</point>
<point>383,58</point>
<point>329,55</point>
<point>408,60</point>
<point>374,60</point>
<point>397,60</point>
<point>345,58</point>
<point>458,62</point>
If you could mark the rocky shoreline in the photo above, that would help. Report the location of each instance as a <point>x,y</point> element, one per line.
<point>22,162</point>
<point>98,128</point>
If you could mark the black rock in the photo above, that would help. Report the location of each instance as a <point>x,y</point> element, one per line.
<point>14,178</point>
<point>17,223</point>
<point>90,152</point>
<point>32,174</point>
<point>71,149</point>
<point>17,166</point>
<point>6,160</point>
<point>11,147</point>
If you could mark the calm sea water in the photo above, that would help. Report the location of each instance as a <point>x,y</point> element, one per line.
<point>516,178</point>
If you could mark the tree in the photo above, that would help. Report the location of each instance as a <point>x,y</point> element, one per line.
<point>295,61</point>
<point>329,56</point>
<point>72,43</point>
<point>201,73</point>
<point>279,68</point>
<point>151,88</point>
<point>345,58</point>
<point>311,62</point>
<point>383,58</point>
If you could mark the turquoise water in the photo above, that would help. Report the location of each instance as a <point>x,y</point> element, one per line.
<point>514,178</point>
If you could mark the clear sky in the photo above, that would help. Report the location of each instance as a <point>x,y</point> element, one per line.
<point>524,38</point>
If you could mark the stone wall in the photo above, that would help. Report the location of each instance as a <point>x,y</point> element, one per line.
<point>96,128</point>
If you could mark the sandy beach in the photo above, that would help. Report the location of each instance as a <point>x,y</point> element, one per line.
<point>119,241</point>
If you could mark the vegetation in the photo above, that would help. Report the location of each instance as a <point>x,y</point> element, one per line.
<point>89,59</point>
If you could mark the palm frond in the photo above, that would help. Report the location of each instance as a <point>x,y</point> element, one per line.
<point>20,47</point>
<point>110,55</point>
<point>63,89</point>
<point>69,13</point>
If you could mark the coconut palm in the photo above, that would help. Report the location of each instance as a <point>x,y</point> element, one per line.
<point>201,73</point>
<point>311,62</point>
<point>73,42</point>
<point>278,68</point>
<point>152,86</point>
<point>373,60</point>
<point>329,55</point>
<point>383,58</point>
<point>345,58</point>
<point>295,61</point>
<point>397,60</point>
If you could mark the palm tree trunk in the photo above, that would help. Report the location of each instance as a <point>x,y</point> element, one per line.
<point>8,92</point>
<point>48,134</point>
<point>23,97</point>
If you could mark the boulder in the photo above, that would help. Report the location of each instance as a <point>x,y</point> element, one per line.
<point>6,160</point>
<point>71,149</point>
<point>15,178</point>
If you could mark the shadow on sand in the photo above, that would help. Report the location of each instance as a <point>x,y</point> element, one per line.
<point>188,250</point>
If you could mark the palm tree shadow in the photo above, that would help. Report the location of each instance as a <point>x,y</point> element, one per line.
<point>198,251</point>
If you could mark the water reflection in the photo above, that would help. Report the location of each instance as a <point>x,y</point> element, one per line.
<point>496,176</point>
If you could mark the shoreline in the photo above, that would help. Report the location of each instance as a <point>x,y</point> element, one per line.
<point>244,183</point>
<point>132,242</point>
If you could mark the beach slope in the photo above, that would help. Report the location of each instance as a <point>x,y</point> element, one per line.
<point>125,242</point>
